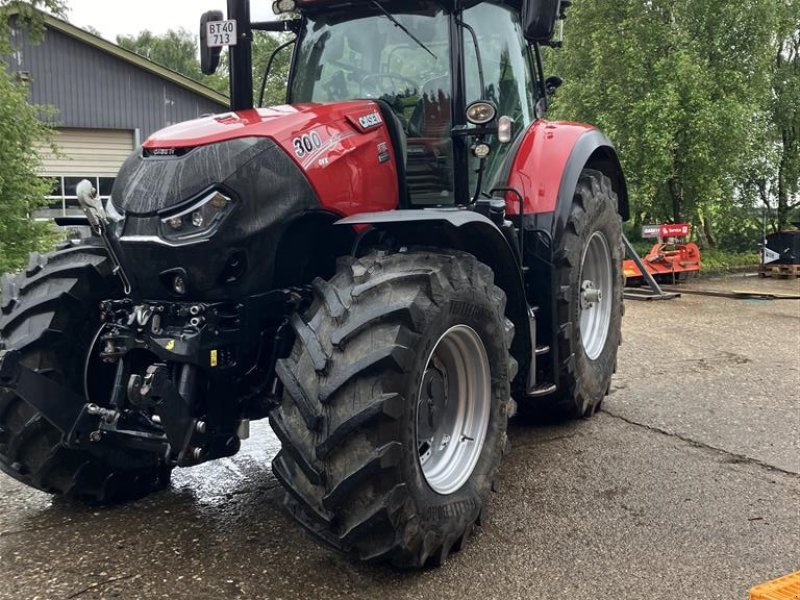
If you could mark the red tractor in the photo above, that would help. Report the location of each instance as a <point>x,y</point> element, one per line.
<point>386,268</point>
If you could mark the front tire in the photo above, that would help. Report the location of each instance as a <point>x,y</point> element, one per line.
<point>50,315</point>
<point>366,400</point>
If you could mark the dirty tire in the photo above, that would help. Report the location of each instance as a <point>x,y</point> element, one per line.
<point>584,382</point>
<point>349,459</point>
<point>49,313</point>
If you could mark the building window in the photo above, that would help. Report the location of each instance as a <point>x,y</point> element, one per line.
<point>63,200</point>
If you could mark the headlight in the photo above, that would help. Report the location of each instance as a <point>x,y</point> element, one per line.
<point>197,219</point>
<point>481,113</point>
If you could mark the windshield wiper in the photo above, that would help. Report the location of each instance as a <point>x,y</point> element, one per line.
<point>402,27</point>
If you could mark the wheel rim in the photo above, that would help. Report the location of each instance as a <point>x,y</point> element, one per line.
<point>453,409</point>
<point>596,295</point>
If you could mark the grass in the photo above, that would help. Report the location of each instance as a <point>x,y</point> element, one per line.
<point>718,262</point>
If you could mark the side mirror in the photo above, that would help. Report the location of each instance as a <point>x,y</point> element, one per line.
<point>209,57</point>
<point>551,84</point>
<point>539,19</point>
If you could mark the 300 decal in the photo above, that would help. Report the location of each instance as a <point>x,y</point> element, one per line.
<point>305,144</point>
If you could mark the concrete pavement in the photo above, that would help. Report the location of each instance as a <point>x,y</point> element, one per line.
<point>685,486</point>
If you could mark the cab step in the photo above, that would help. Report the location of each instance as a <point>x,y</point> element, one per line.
<point>543,389</point>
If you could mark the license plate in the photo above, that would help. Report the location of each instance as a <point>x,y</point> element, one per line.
<point>221,33</point>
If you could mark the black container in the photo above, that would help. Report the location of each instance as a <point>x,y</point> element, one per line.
<point>787,244</point>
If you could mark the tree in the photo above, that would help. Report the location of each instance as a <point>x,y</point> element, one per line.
<point>678,85</point>
<point>786,110</point>
<point>176,50</point>
<point>264,44</point>
<point>93,30</point>
<point>22,191</point>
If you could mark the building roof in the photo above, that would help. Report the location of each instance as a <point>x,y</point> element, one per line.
<point>130,57</point>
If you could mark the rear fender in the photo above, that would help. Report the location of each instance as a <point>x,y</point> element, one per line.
<point>548,164</point>
<point>470,232</point>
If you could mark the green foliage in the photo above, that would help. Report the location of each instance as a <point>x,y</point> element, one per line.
<point>176,50</point>
<point>686,90</point>
<point>28,15</point>
<point>786,109</point>
<point>719,262</point>
<point>264,44</point>
<point>22,192</point>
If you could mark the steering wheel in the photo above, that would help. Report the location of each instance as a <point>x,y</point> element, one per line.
<point>372,79</point>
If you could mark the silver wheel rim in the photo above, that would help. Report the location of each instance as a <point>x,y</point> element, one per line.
<point>453,408</point>
<point>596,295</point>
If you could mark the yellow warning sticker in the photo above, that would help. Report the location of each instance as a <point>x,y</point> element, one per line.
<point>171,345</point>
<point>214,358</point>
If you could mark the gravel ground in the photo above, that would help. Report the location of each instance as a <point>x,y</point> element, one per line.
<point>685,486</point>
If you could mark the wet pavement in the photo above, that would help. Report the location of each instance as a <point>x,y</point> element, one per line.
<point>685,486</point>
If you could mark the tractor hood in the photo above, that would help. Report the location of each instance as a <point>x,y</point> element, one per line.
<point>210,200</point>
<point>278,122</point>
<point>180,162</point>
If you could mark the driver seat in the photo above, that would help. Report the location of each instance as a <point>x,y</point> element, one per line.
<point>432,115</point>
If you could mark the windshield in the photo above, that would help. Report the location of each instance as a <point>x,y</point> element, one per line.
<point>403,60</point>
<point>341,57</point>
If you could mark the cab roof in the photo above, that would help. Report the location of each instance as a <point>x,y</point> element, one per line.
<point>323,5</point>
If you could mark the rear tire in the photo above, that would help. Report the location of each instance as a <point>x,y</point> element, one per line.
<point>587,344</point>
<point>349,421</point>
<point>50,315</point>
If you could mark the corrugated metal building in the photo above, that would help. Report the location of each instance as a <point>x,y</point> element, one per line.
<point>108,100</point>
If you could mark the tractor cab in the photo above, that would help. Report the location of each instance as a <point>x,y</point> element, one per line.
<point>445,75</point>
<point>421,61</point>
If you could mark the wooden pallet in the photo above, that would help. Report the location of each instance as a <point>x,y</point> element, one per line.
<point>785,588</point>
<point>779,271</point>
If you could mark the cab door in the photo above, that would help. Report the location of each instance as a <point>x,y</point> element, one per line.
<point>508,80</point>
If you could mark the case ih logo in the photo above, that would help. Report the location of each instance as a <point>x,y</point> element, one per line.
<point>665,231</point>
<point>370,120</point>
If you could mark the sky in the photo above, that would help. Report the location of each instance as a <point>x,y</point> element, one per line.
<point>132,16</point>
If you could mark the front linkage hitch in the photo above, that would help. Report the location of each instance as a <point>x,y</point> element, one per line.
<point>81,423</point>
<point>211,369</point>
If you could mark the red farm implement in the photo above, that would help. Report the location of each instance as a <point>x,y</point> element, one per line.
<point>671,258</point>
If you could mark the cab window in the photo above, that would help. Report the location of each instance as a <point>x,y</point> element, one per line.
<point>366,55</point>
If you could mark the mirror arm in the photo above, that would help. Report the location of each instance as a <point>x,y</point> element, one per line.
<point>292,25</point>
<point>481,79</point>
<point>269,68</point>
<point>540,74</point>
<point>461,131</point>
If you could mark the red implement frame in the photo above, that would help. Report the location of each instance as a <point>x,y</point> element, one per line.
<point>670,259</point>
